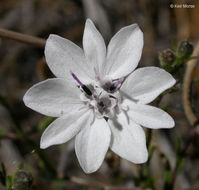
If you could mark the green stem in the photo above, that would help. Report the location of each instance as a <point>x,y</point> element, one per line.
<point>149,137</point>
<point>41,154</point>
<point>181,156</point>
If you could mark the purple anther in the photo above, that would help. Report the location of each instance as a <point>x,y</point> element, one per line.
<point>116,84</point>
<point>75,77</point>
<point>94,96</point>
<point>100,103</point>
<point>91,107</point>
<point>85,88</point>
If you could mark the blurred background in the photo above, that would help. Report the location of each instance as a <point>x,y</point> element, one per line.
<point>22,65</point>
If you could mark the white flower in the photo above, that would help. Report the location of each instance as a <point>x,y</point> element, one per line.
<point>94,99</point>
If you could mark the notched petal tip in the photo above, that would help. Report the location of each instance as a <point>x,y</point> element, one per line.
<point>27,97</point>
<point>44,143</point>
<point>89,24</point>
<point>50,40</point>
<point>134,27</point>
<point>50,37</point>
<point>142,158</point>
<point>171,122</point>
<point>173,80</point>
<point>145,157</point>
<point>88,170</point>
<point>89,21</point>
<point>43,146</point>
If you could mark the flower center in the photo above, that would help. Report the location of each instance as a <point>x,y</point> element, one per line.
<point>104,104</point>
<point>101,99</point>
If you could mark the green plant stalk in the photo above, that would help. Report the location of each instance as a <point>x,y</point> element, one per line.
<point>41,154</point>
<point>9,182</point>
<point>3,174</point>
<point>181,156</point>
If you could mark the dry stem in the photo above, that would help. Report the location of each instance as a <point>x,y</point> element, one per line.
<point>191,116</point>
<point>95,184</point>
<point>189,112</point>
<point>24,38</point>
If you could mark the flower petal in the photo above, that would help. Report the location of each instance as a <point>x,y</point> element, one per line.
<point>124,51</point>
<point>63,56</point>
<point>53,97</point>
<point>128,139</point>
<point>94,46</point>
<point>149,116</point>
<point>91,145</point>
<point>65,128</point>
<point>146,83</point>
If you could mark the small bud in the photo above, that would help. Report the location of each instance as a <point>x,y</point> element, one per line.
<point>166,57</point>
<point>22,180</point>
<point>185,49</point>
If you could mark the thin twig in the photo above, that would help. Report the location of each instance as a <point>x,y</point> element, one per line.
<point>11,136</point>
<point>95,184</point>
<point>24,38</point>
<point>189,113</point>
<point>191,116</point>
<point>84,182</point>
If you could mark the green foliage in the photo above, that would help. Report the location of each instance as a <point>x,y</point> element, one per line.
<point>22,180</point>
<point>196,80</point>
<point>173,60</point>
<point>3,174</point>
<point>44,123</point>
<point>168,172</point>
<point>185,49</point>
<point>177,146</point>
<point>9,182</point>
<point>5,180</point>
<point>144,178</point>
<point>179,157</point>
<point>166,57</point>
<point>165,107</point>
<point>2,132</point>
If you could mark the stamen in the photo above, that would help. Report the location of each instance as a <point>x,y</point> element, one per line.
<point>84,87</point>
<point>116,84</point>
<point>112,97</point>
<point>100,103</point>
<point>75,77</point>
<point>87,90</point>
